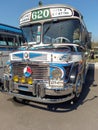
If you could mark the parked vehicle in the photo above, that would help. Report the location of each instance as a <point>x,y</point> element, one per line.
<point>96,54</point>
<point>10,39</point>
<point>52,67</point>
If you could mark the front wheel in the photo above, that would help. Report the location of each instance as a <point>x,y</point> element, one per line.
<point>78,87</point>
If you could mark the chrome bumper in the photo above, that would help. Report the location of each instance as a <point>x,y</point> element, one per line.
<point>40,93</point>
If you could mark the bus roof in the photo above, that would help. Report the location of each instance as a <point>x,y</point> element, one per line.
<point>8,28</point>
<point>53,6</point>
<point>68,11</point>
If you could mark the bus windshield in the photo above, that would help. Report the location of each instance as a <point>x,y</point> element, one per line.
<point>32,33</point>
<point>65,31</point>
<point>52,32</point>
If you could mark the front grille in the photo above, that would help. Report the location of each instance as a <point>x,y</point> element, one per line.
<point>39,71</point>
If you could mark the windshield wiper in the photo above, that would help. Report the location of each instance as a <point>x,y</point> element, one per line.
<point>52,22</point>
<point>47,29</point>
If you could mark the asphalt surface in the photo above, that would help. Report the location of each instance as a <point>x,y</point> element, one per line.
<point>31,116</point>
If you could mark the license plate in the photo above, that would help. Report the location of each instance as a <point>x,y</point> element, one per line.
<point>56,83</point>
<point>23,88</point>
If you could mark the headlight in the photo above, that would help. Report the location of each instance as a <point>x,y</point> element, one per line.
<point>56,77</point>
<point>57,73</point>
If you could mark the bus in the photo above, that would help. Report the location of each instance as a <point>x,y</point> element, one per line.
<point>10,39</point>
<point>52,67</point>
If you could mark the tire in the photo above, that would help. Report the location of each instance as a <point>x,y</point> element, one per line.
<point>73,74</point>
<point>78,88</point>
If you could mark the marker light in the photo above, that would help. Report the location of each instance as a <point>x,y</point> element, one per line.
<point>29,81</point>
<point>23,80</point>
<point>15,78</point>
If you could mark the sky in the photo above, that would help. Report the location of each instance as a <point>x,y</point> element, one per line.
<point>11,10</point>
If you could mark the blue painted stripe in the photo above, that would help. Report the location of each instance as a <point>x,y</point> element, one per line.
<point>20,55</point>
<point>60,65</point>
<point>6,49</point>
<point>9,28</point>
<point>34,55</point>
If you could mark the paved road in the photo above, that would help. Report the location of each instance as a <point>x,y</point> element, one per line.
<point>80,116</point>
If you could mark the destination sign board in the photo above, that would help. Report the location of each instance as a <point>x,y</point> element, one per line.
<point>25,18</point>
<point>41,14</point>
<point>60,12</point>
<point>46,13</point>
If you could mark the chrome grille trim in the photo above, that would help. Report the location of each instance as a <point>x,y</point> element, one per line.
<point>39,71</point>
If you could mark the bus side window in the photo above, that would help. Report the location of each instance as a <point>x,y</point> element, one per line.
<point>2,41</point>
<point>10,41</point>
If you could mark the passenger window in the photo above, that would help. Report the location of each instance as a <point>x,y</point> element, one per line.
<point>3,41</point>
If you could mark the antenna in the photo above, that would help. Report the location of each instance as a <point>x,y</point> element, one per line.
<point>40,3</point>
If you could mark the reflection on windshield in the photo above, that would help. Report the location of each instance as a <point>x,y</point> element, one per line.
<point>65,31</point>
<point>32,33</point>
<point>59,31</point>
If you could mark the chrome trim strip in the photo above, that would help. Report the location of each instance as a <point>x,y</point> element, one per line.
<point>68,89</point>
<point>39,91</point>
<point>42,100</point>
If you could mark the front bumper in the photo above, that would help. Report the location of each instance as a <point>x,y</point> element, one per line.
<point>38,92</point>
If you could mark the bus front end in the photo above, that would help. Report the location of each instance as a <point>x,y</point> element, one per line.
<point>51,67</point>
<point>37,76</point>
